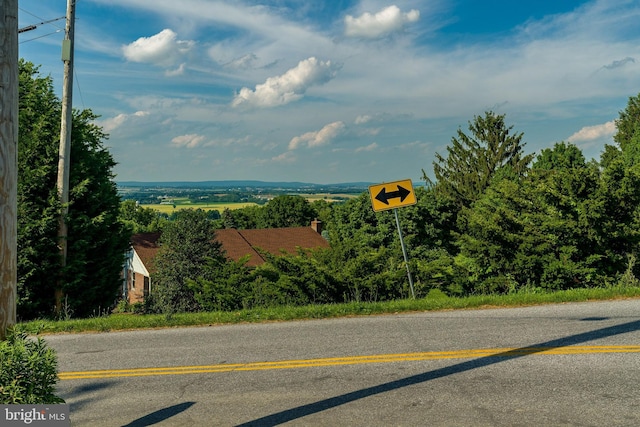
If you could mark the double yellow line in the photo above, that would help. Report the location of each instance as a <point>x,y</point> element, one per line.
<point>353,360</point>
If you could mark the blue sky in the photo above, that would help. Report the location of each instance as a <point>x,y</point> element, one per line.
<point>335,91</point>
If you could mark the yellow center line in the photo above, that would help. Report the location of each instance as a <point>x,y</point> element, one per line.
<point>350,360</point>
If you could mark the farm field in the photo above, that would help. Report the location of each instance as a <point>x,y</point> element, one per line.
<point>329,197</point>
<point>174,204</point>
<point>169,208</point>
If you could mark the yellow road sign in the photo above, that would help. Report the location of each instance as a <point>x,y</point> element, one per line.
<point>392,195</point>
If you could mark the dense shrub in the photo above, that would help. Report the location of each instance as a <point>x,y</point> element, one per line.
<point>28,371</point>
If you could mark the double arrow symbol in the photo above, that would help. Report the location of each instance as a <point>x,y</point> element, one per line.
<point>384,197</point>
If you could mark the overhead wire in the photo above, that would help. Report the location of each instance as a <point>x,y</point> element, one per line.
<point>42,22</point>
<point>59,29</point>
<point>50,21</point>
<point>39,37</point>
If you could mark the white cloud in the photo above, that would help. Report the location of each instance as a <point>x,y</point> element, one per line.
<point>590,133</point>
<point>163,49</point>
<point>387,21</point>
<point>190,141</point>
<point>242,63</point>
<point>315,139</point>
<point>287,87</point>
<point>286,157</point>
<point>114,123</point>
<point>177,72</point>
<point>228,142</point>
<point>563,67</point>
<point>360,120</point>
<point>371,147</point>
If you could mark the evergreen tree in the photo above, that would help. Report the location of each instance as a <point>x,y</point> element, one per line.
<point>97,241</point>
<point>38,209</point>
<point>187,247</point>
<point>474,159</point>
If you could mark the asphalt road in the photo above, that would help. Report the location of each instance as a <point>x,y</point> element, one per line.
<point>554,365</point>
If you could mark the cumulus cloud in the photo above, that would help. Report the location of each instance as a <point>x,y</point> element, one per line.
<point>288,87</point>
<point>315,139</point>
<point>189,141</point>
<point>387,21</point>
<point>589,133</point>
<point>163,49</point>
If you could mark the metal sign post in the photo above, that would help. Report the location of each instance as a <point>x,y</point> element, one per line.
<point>394,195</point>
<point>404,253</point>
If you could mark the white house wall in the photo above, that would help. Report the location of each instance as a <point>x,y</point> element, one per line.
<point>137,265</point>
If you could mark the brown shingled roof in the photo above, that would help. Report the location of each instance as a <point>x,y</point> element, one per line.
<point>239,243</point>
<point>237,246</point>
<point>146,246</point>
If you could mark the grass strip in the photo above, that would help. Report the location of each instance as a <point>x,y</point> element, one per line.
<point>435,301</point>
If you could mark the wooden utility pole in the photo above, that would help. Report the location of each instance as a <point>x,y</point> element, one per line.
<point>65,143</point>
<point>8,164</point>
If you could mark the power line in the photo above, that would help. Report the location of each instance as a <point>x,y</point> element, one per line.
<point>77,81</point>
<point>59,29</point>
<point>34,26</point>
<point>39,37</point>
<point>43,20</point>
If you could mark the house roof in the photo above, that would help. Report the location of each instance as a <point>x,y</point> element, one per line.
<point>146,246</point>
<point>236,246</point>
<point>239,243</point>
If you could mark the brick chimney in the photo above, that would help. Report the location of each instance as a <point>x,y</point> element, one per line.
<point>316,225</point>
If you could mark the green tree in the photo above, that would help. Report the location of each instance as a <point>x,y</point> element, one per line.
<point>628,126</point>
<point>555,229</point>
<point>472,160</point>
<point>428,229</point>
<point>355,229</point>
<point>616,207</point>
<point>523,233</point>
<point>222,284</point>
<point>279,212</point>
<point>614,215</point>
<point>562,156</point>
<point>366,255</point>
<point>139,219</point>
<point>249,217</point>
<point>96,239</point>
<point>301,279</point>
<point>288,211</point>
<point>627,136</point>
<point>38,254</point>
<point>187,246</point>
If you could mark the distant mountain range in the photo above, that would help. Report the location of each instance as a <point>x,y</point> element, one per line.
<point>239,184</point>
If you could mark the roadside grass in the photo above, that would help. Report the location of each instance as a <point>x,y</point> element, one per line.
<point>434,301</point>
